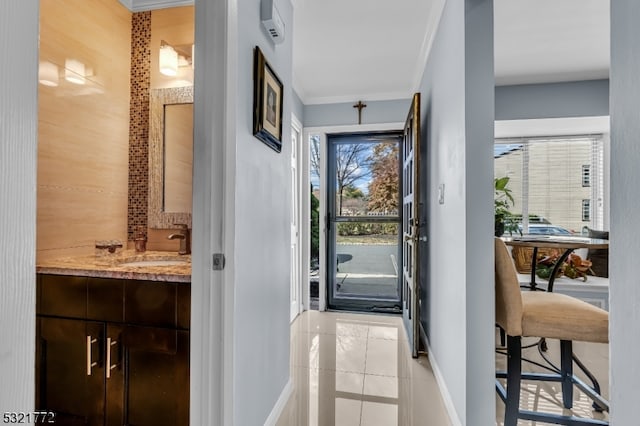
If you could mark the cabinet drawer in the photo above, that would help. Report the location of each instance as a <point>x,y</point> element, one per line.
<point>150,339</point>
<point>150,303</point>
<point>62,295</point>
<point>105,299</point>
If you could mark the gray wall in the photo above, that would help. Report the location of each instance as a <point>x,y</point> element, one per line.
<point>480,117</point>
<point>297,107</point>
<point>393,111</point>
<point>572,99</point>
<point>624,292</point>
<point>262,230</point>
<point>18,151</point>
<point>588,98</point>
<point>457,269</point>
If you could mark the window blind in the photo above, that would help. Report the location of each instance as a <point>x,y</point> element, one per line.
<point>557,182</point>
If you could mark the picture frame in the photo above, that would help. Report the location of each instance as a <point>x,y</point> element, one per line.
<point>267,102</point>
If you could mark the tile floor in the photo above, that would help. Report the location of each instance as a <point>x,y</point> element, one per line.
<point>356,370</point>
<point>547,396</point>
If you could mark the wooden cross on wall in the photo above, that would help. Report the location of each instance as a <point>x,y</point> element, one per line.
<point>360,105</point>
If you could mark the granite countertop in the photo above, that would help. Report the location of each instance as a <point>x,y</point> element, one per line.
<point>111,266</point>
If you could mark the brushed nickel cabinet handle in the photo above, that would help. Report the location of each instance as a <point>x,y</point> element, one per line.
<point>90,364</point>
<point>110,367</point>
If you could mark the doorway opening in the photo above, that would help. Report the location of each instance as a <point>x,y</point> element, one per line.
<point>363,221</point>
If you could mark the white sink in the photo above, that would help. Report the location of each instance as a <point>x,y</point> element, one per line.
<point>152,262</point>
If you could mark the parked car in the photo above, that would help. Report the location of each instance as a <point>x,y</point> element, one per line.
<point>546,229</point>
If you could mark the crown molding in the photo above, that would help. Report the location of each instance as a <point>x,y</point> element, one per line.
<point>145,5</point>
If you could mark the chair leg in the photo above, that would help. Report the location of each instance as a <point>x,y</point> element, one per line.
<point>566,366</point>
<point>503,336</point>
<point>514,371</point>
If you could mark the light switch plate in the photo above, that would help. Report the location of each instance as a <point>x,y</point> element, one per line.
<point>441,193</point>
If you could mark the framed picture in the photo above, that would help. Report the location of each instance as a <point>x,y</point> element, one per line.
<point>267,102</point>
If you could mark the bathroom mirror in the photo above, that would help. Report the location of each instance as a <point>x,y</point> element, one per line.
<point>170,156</point>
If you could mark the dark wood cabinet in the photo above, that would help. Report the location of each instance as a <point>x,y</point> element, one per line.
<point>71,374</point>
<point>119,358</point>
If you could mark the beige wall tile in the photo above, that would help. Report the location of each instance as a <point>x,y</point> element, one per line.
<point>83,128</point>
<point>157,240</point>
<point>83,154</point>
<point>176,26</point>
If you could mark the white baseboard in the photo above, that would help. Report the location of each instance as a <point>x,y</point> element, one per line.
<point>446,396</point>
<point>286,393</point>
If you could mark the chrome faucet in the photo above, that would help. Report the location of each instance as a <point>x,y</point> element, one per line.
<point>185,238</point>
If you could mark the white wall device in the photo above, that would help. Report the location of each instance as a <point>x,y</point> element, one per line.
<point>272,21</point>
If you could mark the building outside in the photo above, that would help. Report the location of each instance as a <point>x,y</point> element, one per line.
<point>559,179</point>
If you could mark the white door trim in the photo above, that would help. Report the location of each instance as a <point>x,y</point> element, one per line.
<point>302,269</point>
<point>305,213</point>
<point>215,80</point>
<point>323,131</point>
<point>18,160</point>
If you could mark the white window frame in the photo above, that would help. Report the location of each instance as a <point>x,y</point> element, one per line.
<point>597,181</point>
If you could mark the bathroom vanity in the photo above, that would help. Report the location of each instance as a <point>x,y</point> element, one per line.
<point>113,340</point>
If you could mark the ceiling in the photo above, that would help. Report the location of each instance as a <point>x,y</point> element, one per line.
<point>344,51</point>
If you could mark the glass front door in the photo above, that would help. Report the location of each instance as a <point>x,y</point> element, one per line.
<point>364,252</point>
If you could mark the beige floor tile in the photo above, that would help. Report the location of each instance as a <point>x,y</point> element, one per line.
<point>350,354</point>
<point>330,353</point>
<point>381,386</point>
<point>326,323</point>
<point>346,327</point>
<point>379,414</point>
<point>421,404</point>
<point>347,412</point>
<point>383,356</point>
<point>323,397</point>
<point>387,332</point>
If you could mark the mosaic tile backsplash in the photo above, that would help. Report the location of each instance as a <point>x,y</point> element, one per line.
<point>139,122</point>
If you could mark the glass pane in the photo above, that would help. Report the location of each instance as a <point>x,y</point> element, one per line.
<point>557,182</point>
<point>367,178</point>
<point>367,260</point>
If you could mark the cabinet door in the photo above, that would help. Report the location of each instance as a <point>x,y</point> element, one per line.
<point>156,377</point>
<point>70,373</point>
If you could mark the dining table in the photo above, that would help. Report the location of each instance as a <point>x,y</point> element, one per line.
<point>566,243</point>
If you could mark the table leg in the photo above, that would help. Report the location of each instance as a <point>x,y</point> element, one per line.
<point>534,261</point>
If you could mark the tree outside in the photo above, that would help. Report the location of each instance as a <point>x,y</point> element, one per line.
<point>367,184</point>
<point>385,183</point>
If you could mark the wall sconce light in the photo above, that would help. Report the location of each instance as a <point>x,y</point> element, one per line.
<point>168,60</point>
<point>174,57</point>
<point>48,74</point>
<point>74,71</point>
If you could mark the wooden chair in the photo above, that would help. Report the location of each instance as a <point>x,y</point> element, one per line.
<point>549,315</point>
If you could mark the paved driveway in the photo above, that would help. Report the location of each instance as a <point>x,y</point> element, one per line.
<point>370,270</point>
<point>369,259</point>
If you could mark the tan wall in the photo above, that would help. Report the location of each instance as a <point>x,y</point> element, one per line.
<point>175,26</point>
<point>83,129</point>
